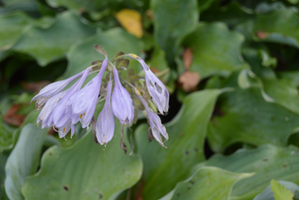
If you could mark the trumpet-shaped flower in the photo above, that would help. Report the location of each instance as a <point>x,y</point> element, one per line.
<point>155,87</point>
<point>105,122</point>
<point>156,126</point>
<point>84,101</point>
<point>52,89</point>
<point>121,102</point>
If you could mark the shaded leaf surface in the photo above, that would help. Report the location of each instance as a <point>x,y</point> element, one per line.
<point>84,171</point>
<point>24,159</point>
<point>46,45</point>
<point>169,15</point>
<point>207,183</point>
<point>268,162</point>
<point>185,148</point>
<point>250,118</point>
<point>221,56</point>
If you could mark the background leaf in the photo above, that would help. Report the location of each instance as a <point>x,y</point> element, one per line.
<point>167,21</point>
<point>268,162</point>
<point>207,183</point>
<point>24,159</point>
<point>280,191</point>
<point>46,45</point>
<point>222,56</point>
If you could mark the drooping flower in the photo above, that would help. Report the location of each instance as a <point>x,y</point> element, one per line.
<point>155,87</point>
<point>105,122</point>
<point>84,101</point>
<point>52,89</point>
<point>122,104</point>
<point>154,120</point>
<point>62,109</point>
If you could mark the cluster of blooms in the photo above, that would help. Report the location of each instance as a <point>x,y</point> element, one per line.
<point>62,109</point>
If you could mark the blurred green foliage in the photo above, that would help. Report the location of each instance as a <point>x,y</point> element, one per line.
<point>232,134</point>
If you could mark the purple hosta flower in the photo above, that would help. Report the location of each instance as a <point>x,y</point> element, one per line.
<point>155,87</point>
<point>84,101</point>
<point>157,128</point>
<point>105,122</point>
<point>121,101</point>
<point>52,89</point>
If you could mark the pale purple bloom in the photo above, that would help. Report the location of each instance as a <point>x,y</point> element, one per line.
<point>156,126</point>
<point>121,102</point>
<point>105,122</point>
<point>84,101</point>
<point>155,87</point>
<point>52,89</point>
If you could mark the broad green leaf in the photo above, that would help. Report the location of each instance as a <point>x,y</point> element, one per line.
<point>49,44</point>
<point>24,159</point>
<point>12,26</point>
<point>113,41</point>
<point>3,158</point>
<point>267,194</point>
<point>244,116</point>
<point>204,4</point>
<point>216,50</point>
<point>207,183</point>
<point>174,19</point>
<point>6,136</point>
<point>292,76</point>
<point>267,162</point>
<point>163,168</point>
<point>280,191</point>
<point>282,29</point>
<point>84,171</point>
<point>231,14</point>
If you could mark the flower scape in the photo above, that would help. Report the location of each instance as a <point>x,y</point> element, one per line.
<point>63,108</point>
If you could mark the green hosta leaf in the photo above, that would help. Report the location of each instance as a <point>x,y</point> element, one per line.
<point>282,29</point>
<point>216,50</point>
<point>232,14</point>
<point>207,183</point>
<point>268,162</point>
<point>280,191</point>
<point>163,168</point>
<point>292,76</point>
<point>174,19</point>
<point>46,45</point>
<point>244,116</point>
<point>6,136</point>
<point>3,158</point>
<point>113,41</point>
<point>267,194</point>
<point>24,159</point>
<point>84,171</point>
<point>12,26</point>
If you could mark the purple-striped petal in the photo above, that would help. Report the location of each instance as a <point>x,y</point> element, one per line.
<point>122,104</point>
<point>52,89</point>
<point>155,87</point>
<point>105,122</point>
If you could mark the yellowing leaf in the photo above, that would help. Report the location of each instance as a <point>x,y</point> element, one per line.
<point>131,21</point>
<point>280,191</point>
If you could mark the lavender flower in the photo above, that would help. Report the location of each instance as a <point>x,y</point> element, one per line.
<point>50,90</point>
<point>62,109</point>
<point>155,87</point>
<point>121,101</point>
<point>84,101</point>
<point>105,122</point>
<point>157,128</point>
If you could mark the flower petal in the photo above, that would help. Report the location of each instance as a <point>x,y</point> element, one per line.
<point>105,123</point>
<point>122,104</point>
